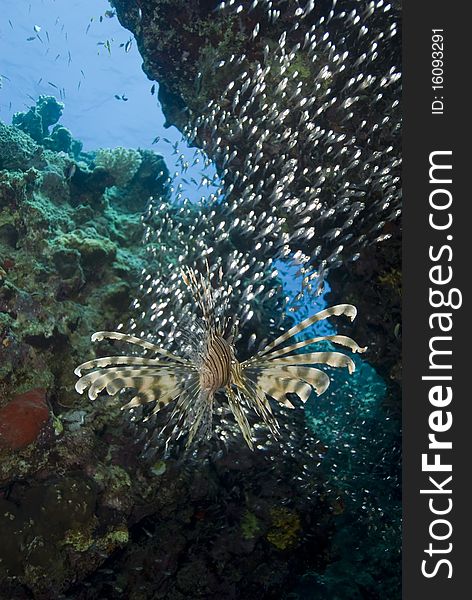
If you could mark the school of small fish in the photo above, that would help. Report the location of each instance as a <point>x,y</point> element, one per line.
<point>307,134</point>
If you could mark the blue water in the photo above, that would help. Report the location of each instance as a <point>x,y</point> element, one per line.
<point>67,59</point>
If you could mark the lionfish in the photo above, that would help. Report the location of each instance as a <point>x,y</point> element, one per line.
<point>192,382</point>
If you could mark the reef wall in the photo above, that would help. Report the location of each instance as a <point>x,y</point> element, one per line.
<point>71,255</point>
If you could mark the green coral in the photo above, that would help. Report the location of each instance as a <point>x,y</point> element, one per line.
<point>95,250</point>
<point>393,279</point>
<point>285,530</point>
<point>113,478</point>
<point>60,140</point>
<point>17,150</point>
<point>81,539</point>
<point>37,120</point>
<point>70,257</point>
<point>158,468</point>
<point>250,526</point>
<point>116,537</point>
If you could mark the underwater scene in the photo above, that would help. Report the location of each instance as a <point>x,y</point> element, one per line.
<point>200,292</point>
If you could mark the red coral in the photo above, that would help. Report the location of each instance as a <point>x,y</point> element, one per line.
<point>22,419</point>
<point>8,264</point>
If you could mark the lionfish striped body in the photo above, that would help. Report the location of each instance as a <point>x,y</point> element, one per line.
<point>211,367</point>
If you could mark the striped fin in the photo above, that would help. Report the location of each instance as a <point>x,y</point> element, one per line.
<point>131,339</point>
<point>334,311</point>
<point>115,372</point>
<point>256,395</point>
<point>268,383</point>
<point>314,377</point>
<point>333,359</point>
<point>114,384</point>
<point>108,361</point>
<point>160,395</point>
<point>182,410</point>
<point>342,340</point>
<point>236,407</point>
<point>144,395</point>
<point>277,388</point>
<point>116,379</point>
<point>202,416</point>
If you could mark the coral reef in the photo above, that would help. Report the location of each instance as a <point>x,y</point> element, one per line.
<point>18,151</point>
<point>285,528</point>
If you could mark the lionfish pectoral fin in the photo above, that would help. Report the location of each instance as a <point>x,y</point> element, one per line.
<point>332,359</point>
<point>278,387</point>
<point>159,394</point>
<point>115,361</point>
<point>334,311</point>
<point>341,340</point>
<point>131,339</point>
<point>316,379</point>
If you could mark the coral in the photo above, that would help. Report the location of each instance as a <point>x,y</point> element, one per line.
<point>35,519</point>
<point>81,539</point>
<point>60,140</point>
<point>285,529</point>
<point>95,251</point>
<point>116,537</point>
<point>22,419</point>
<point>121,163</point>
<point>39,118</point>
<point>70,257</point>
<point>250,526</point>
<point>17,150</point>
<point>37,121</point>
<point>113,479</point>
<point>393,279</point>
<point>158,468</point>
